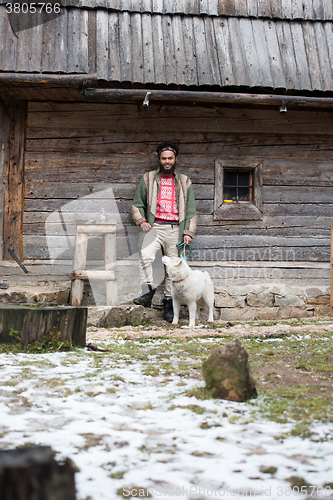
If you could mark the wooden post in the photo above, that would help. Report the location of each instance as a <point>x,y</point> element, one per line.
<point>80,257</point>
<point>331,269</point>
<point>110,265</point>
<point>14,181</point>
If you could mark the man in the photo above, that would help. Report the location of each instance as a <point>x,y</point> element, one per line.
<point>164,207</point>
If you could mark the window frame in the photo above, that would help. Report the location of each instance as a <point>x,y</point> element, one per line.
<point>246,211</point>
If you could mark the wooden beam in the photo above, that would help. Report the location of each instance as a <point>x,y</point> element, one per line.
<point>14,181</point>
<point>208,97</point>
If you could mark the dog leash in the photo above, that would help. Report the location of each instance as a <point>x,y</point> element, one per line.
<point>182,245</point>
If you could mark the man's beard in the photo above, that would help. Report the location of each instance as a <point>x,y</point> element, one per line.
<point>170,171</point>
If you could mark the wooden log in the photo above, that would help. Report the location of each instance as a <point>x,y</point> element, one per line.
<point>32,472</point>
<point>34,322</point>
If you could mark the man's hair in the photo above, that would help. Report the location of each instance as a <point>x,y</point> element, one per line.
<point>167,146</point>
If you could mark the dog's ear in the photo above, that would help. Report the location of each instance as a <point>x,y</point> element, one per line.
<point>179,262</point>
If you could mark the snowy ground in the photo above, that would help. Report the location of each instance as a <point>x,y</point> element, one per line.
<point>124,428</point>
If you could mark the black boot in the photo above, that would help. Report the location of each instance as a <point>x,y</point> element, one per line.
<point>146,297</point>
<point>168,310</point>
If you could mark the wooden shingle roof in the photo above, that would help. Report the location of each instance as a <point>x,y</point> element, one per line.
<point>271,44</point>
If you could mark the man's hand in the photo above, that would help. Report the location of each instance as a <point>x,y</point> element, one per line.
<point>145,227</point>
<point>187,239</point>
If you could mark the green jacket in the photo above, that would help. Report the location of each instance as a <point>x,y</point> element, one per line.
<point>146,196</point>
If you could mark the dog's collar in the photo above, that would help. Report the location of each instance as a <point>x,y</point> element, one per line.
<point>178,281</point>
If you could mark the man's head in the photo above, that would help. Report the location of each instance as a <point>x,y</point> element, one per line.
<point>167,155</point>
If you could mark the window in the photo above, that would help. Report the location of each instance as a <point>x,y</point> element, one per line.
<point>238,189</point>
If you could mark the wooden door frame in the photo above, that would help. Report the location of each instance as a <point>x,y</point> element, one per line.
<point>14,179</point>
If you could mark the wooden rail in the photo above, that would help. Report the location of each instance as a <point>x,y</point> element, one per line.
<point>331,268</point>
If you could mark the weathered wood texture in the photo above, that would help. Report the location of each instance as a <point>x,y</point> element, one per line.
<point>32,472</point>
<point>14,181</point>
<point>33,323</point>
<point>272,9</point>
<point>83,157</point>
<point>275,49</point>
<point>4,155</point>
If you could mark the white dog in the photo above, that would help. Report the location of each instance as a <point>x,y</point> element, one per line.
<point>193,288</point>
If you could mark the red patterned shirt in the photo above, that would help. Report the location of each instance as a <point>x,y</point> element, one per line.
<point>166,209</point>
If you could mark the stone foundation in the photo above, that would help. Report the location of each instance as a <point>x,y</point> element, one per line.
<point>271,302</point>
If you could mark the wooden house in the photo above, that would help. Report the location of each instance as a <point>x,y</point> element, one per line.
<point>245,87</point>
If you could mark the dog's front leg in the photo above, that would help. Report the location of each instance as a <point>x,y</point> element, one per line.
<point>176,309</point>
<point>192,309</point>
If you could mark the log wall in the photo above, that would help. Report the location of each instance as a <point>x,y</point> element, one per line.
<point>78,155</point>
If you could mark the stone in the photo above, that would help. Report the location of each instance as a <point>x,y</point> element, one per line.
<point>260,300</point>
<point>238,314</point>
<point>228,301</point>
<point>294,312</point>
<point>318,300</point>
<point>289,300</point>
<point>314,292</point>
<point>266,313</point>
<point>322,310</point>
<point>227,375</point>
<point>123,315</point>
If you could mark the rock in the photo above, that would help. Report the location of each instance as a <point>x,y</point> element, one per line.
<point>123,315</point>
<point>226,373</point>
<point>260,300</point>
<point>237,314</point>
<point>289,300</point>
<point>228,301</point>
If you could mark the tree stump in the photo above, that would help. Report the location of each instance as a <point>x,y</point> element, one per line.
<point>32,323</point>
<point>32,473</point>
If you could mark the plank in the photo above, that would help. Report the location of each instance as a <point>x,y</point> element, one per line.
<point>286,9</point>
<point>137,49</point>
<point>8,53</point>
<point>84,42</point>
<point>312,55</point>
<point>211,45</point>
<point>294,209</point>
<point>238,56</point>
<point>125,48</point>
<point>308,10</point>
<point>328,9</point>
<point>4,154</point>
<point>113,47</point>
<point>297,9</point>
<point>297,173</point>
<point>158,6</point>
<point>328,28</point>
<point>180,56</point>
<point>250,53</point>
<point>13,200</point>
<point>102,47</point>
<point>204,6</point>
<point>224,51</point>
<point>318,9</point>
<point>148,49</point>
<point>276,9</point>
<point>189,48</point>
<point>301,56</point>
<point>158,49</point>
<point>262,54</point>
<point>303,194</point>
<point>252,8</point>
<point>74,48</point>
<point>287,54</point>
<point>323,56</point>
<point>264,8</point>
<point>169,50</point>
<point>274,55</point>
<point>203,67</point>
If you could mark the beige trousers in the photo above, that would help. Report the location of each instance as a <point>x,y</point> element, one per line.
<point>163,236</point>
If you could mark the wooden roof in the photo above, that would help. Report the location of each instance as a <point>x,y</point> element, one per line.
<point>198,50</point>
<point>274,9</point>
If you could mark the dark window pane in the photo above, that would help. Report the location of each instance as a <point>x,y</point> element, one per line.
<point>243,178</point>
<point>244,194</point>
<point>230,193</point>
<point>230,178</point>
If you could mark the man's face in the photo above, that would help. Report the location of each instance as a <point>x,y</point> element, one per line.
<point>168,162</point>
